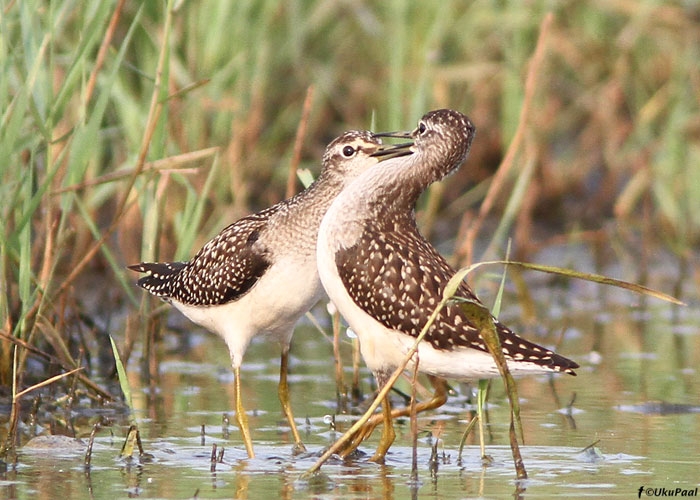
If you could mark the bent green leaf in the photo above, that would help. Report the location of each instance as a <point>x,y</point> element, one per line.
<point>121,372</point>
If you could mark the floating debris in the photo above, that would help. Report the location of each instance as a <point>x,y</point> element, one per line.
<point>659,408</point>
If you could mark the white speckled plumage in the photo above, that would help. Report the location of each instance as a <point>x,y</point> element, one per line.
<point>258,276</point>
<point>386,279</point>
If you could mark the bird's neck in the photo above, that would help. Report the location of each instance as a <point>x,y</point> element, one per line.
<point>384,195</point>
<point>319,194</point>
<point>393,186</point>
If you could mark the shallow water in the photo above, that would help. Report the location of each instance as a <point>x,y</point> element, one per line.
<point>635,397</point>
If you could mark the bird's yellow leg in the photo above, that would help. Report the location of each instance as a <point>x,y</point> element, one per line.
<point>241,416</point>
<point>283,392</point>
<point>388,434</point>
<point>439,398</point>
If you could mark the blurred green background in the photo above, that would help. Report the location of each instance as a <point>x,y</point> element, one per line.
<point>110,110</point>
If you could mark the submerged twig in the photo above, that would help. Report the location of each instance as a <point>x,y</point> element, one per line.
<point>414,423</point>
<point>225,421</point>
<point>434,461</point>
<point>91,441</point>
<point>340,389</point>
<point>212,459</point>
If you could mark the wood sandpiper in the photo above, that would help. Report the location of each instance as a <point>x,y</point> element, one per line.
<point>259,275</point>
<point>386,279</point>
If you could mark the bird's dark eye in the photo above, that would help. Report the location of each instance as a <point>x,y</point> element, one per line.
<point>348,151</point>
<point>421,128</point>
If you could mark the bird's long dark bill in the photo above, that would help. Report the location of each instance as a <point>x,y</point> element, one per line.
<point>393,151</point>
<point>394,135</point>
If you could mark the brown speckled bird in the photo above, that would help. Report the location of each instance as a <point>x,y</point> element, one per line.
<point>258,275</point>
<point>386,279</point>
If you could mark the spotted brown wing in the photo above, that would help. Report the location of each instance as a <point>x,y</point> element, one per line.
<point>223,270</point>
<point>398,278</point>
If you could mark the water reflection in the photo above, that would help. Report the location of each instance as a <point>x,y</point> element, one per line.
<point>636,397</point>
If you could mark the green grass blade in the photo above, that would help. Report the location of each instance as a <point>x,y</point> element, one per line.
<point>499,295</point>
<point>482,319</point>
<point>452,285</point>
<point>191,219</point>
<point>121,372</point>
<point>595,278</point>
<point>114,263</point>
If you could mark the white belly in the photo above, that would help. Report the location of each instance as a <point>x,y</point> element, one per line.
<point>271,307</point>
